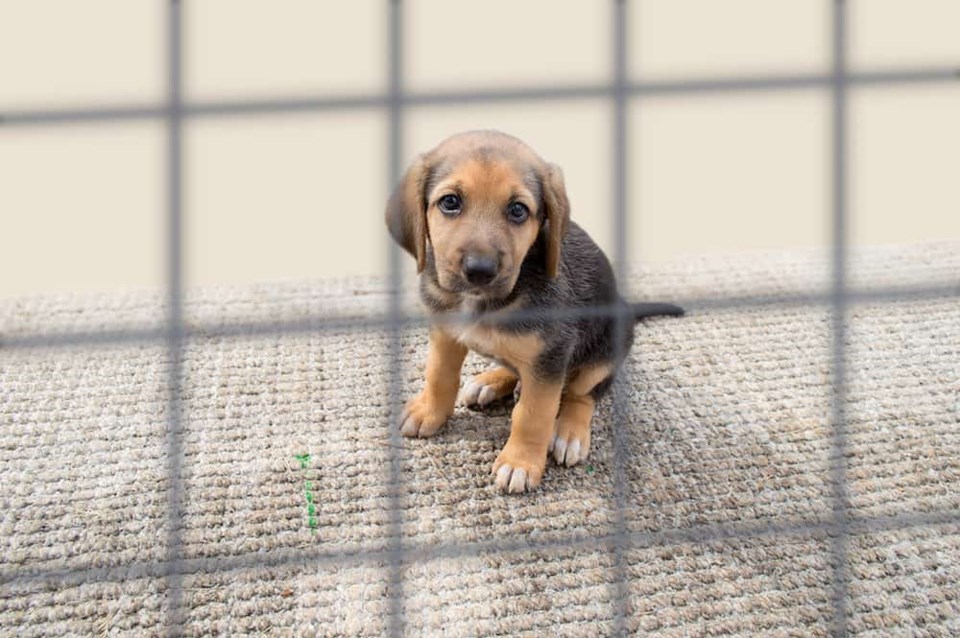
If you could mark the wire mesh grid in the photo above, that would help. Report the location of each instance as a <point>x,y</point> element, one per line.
<point>393,553</point>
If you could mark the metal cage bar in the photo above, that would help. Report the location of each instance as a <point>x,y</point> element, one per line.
<point>694,87</point>
<point>838,214</point>
<point>395,625</point>
<point>621,406</point>
<point>355,323</point>
<point>380,553</point>
<point>175,342</point>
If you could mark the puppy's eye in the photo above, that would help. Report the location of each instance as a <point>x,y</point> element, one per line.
<point>518,213</point>
<point>449,204</point>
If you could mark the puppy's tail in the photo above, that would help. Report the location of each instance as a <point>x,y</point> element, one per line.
<point>648,309</point>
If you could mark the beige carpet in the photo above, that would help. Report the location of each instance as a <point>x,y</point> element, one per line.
<point>729,492</point>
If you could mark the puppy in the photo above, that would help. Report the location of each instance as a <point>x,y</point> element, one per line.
<point>488,222</point>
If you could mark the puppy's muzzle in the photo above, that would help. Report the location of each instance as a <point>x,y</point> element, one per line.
<point>479,270</point>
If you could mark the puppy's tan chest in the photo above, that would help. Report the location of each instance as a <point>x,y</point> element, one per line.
<point>519,351</point>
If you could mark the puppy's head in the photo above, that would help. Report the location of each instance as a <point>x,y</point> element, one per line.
<point>480,202</point>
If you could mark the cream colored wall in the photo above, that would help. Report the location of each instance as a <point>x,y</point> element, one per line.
<point>300,196</point>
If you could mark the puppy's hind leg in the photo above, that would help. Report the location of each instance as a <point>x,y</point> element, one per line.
<point>489,386</point>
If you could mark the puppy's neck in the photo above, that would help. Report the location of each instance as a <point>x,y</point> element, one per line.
<point>441,301</point>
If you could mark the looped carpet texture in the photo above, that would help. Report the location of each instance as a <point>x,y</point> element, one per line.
<point>286,522</point>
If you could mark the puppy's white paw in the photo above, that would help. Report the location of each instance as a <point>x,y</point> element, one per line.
<point>422,417</point>
<point>518,469</point>
<point>487,387</point>
<point>569,451</point>
<point>513,480</point>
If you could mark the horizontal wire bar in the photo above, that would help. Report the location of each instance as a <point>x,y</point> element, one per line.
<point>905,76</point>
<point>84,115</point>
<point>287,105</point>
<point>355,323</point>
<point>307,104</point>
<point>520,94</point>
<point>793,82</point>
<point>382,552</point>
<point>110,337</point>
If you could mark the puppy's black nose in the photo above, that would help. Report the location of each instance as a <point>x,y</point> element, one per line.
<point>479,270</point>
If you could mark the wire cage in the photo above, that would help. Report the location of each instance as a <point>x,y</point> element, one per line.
<point>619,92</point>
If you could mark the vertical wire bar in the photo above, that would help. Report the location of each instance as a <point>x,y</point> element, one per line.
<point>394,169</point>
<point>621,407</point>
<point>175,319</point>
<point>838,468</point>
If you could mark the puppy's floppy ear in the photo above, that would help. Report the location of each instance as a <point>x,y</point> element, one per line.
<point>557,209</point>
<point>406,212</point>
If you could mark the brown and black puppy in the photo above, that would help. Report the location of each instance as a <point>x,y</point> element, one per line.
<point>488,222</point>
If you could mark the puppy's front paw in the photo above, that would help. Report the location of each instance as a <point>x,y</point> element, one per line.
<point>570,449</point>
<point>518,469</point>
<point>571,439</point>
<point>422,417</point>
<point>570,443</point>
